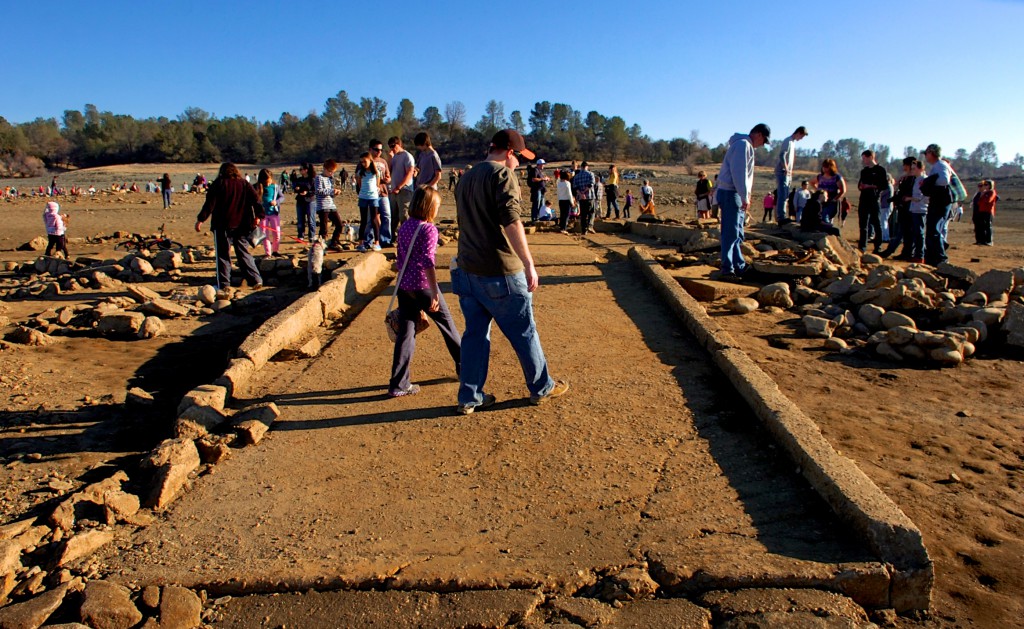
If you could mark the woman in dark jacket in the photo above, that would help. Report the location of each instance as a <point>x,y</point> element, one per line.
<point>236,210</point>
<point>302,185</point>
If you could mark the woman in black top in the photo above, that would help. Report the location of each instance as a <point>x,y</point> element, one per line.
<point>302,185</point>
<point>165,189</point>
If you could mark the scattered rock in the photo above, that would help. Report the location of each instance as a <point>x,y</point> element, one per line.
<point>152,327</point>
<point>164,308</point>
<point>167,260</point>
<point>208,295</point>
<point>901,335</point>
<point>1013,325</point>
<point>836,344</point>
<point>946,356</point>
<point>978,299</point>
<point>871,258</point>
<point>119,506</point>
<point>993,283</point>
<point>141,294</point>
<point>896,319</point>
<point>107,605</point>
<point>173,460</point>
<point>954,478</point>
<point>871,315</point>
<point>29,336</point>
<point>742,305</point>
<point>121,323</point>
<point>36,244</point>
<point>33,613</point>
<point>150,597</point>
<point>141,266</point>
<point>253,422</point>
<point>180,608</point>
<point>776,294</point>
<point>989,316</point>
<point>204,395</point>
<point>198,421</point>
<point>841,286</point>
<point>83,545</point>
<point>885,350</point>
<point>212,451</point>
<point>139,397</point>
<point>819,327</point>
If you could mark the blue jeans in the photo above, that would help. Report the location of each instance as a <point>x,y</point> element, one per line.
<point>536,203</point>
<point>782,185</point>
<point>884,213</point>
<point>914,234</point>
<point>733,218</point>
<point>167,198</point>
<point>368,232</point>
<point>935,234</point>
<point>385,220</point>
<point>505,300</point>
<point>306,218</point>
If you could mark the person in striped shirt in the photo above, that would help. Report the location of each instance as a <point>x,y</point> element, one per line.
<point>323,194</point>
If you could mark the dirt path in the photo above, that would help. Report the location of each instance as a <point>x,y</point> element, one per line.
<point>646,455</point>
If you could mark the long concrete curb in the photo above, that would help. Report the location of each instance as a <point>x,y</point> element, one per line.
<point>349,283</point>
<point>854,498</point>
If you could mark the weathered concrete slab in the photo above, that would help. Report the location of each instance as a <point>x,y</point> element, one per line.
<point>694,279</point>
<point>850,493</point>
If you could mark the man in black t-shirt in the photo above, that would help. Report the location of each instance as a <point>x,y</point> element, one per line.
<point>873,179</point>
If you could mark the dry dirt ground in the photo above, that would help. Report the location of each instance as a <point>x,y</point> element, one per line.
<point>640,385</point>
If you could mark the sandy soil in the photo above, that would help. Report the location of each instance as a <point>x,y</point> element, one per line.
<point>899,424</point>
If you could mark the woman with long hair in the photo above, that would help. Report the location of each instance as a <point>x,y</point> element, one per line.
<point>611,191</point>
<point>305,212</point>
<point>832,182</point>
<point>368,184</point>
<point>266,189</point>
<point>235,209</point>
<point>418,293</point>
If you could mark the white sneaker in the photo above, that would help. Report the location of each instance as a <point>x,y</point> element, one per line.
<point>376,247</point>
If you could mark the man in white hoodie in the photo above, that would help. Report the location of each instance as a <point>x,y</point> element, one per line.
<point>735,181</point>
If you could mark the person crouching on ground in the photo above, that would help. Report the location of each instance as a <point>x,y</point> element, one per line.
<point>236,209</point>
<point>418,291</point>
<point>494,275</point>
<point>56,229</point>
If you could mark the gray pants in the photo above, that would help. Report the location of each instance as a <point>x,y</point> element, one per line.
<point>410,304</point>
<point>238,239</point>
<point>400,202</point>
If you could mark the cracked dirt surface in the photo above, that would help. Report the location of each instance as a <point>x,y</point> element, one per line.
<point>648,451</point>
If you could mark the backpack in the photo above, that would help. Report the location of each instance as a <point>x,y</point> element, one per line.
<point>957,191</point>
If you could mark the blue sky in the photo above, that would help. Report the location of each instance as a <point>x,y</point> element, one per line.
<point>896,73</point>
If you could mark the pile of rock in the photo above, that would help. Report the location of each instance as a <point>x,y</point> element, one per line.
<point>138,314</point>
<point>107,605</point>
<point>916,313</point>
<point>41,560</point>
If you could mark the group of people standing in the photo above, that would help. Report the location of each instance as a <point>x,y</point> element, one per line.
<point>914,211</point>
<point>384,187</point>
<point>580,192</point>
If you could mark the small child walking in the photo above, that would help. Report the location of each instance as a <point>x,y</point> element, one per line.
<point>267,190</point>
<point>628,205</point>
<point>56,229</point>
<point>769,208</point>
<point>418,292</point>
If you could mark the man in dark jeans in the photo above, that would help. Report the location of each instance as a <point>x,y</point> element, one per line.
<point>873,179</point>
<point>583,187</point>
<point>939,206</point>
<point>494,275</point>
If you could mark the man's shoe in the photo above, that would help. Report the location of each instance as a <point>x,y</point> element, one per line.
<point>412,390</point>
<point>469,409</point>
<point>561,388</point>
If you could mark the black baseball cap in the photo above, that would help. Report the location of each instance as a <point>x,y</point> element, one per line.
<point>512,139</point>
<point>763,129</point>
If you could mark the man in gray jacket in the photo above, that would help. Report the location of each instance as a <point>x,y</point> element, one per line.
<point>735,181</point>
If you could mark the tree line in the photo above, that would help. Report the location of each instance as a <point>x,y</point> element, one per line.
<point>345,126</point>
